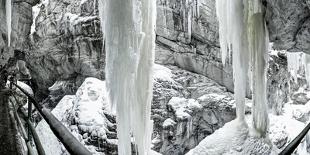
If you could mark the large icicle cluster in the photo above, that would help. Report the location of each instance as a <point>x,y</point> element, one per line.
<point>8,9</point>
<point>129,29</point>
<point>258,46</point>
<point>296,62</point>
<point>242,32</point>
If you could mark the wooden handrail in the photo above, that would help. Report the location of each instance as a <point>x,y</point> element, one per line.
<point>73,146</point>
<point>290,148</point>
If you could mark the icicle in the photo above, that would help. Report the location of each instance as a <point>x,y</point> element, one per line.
<point>9,19</point>
<point>259,43</point>
<point>307,68</point>
<point>130,47</point>
<point>122,42</point>
<point>232,31</point>
<point>294,63</point>
<point>141,123</point>
<point>222,13</point>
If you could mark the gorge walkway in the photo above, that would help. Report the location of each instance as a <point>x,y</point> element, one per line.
<point>9,143</point>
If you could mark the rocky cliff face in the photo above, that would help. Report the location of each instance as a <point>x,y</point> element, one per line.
<point>21,23</point>
<point>289,24</point>
<point>67,43</point>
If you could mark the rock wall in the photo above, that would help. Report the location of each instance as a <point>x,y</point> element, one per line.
<point>187,36</point>
<point>289,24</point>
<point>21,23</point>
<point>67,41</point>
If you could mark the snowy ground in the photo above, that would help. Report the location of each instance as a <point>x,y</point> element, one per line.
<point>88,117</point>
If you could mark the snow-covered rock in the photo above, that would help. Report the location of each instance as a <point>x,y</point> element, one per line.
<point>86,115</point>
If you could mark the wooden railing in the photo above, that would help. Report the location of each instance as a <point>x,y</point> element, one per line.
<point>291,147</point>
<point>73,146</point>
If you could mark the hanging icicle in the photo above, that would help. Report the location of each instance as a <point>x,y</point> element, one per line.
<point>222,7</point>
<point>129,29</point>
<point>8,9</point>
<point>307,68</point>
<point>242,31</point>
<point>294,63</point>
<point>258,47</point>
<point>233,33</point>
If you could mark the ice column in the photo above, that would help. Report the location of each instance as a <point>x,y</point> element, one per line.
<point>294,61</point>
<point>258,47</point>
<point>122,33</point>
<point>233,32</point>
<point>142,126</point>
<point>8,10</point>
<point>129,29</point>
<point>307,68</point>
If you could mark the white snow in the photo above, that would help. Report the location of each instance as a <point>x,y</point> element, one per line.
<point>162,73</point>
<point>231,135</point>
<point>183,107</point>
<point>89,104</point>
<point>169,122</point>
<point>8,10</point>
<point>86,107</point>
<point>23,85</point>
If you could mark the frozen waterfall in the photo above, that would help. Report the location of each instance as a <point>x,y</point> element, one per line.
<point>129,31</point>
<point>242,32</point>
<point>8,10</point>
<point>258,47</point>
<point>233,32</point>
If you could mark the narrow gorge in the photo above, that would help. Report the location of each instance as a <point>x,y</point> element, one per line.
<point>170,77</point>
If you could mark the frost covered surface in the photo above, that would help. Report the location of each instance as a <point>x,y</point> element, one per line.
<point>89,106</point>
<point>23,85</point>
<point>231,135</point>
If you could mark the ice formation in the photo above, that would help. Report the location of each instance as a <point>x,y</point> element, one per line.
<point>307,68</point>
<point>233,31</point>
<point>35,13</point>
<point>294,63</point>
<point>8,10</point>
<point>242,32</point>
<point>258,47</point>
<point>130,44</point>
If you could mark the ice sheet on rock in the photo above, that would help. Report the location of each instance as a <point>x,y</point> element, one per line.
<point>35,13</point>
<point>8,11</point>
<point>231,135</point>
